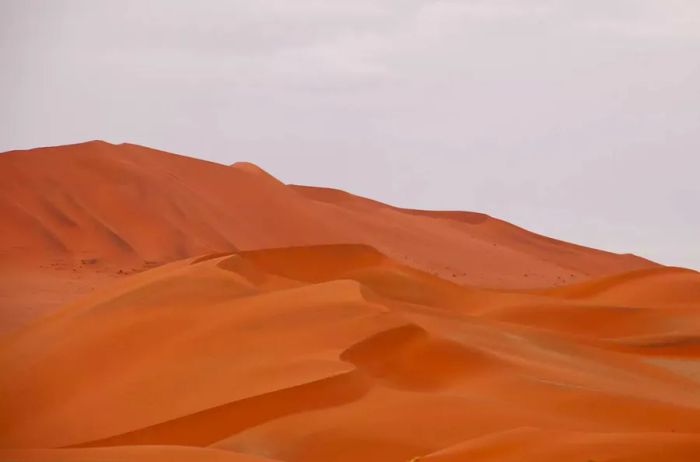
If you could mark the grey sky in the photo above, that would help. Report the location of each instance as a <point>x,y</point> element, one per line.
<point>576,119</point>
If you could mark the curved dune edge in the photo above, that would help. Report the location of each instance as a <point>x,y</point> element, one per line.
<point>538,445</point>
<point>211,425</point>
<point>128,454</point>
<point>643,288</point>
<point>409,357</point>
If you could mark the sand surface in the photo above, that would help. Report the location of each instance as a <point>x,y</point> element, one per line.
<point>108,210</point>
<point>158,307</point>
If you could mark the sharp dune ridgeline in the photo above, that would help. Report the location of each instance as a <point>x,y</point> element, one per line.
<point>159,307</point>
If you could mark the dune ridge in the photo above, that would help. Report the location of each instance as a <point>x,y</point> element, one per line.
<point>83,215</point>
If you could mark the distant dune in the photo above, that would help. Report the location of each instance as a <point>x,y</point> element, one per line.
<point>158,307</point>
<point>97,210</point>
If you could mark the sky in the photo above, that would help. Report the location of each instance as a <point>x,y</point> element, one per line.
<point>575,119</point>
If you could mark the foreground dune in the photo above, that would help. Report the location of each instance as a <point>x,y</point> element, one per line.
<point>338,352</point>
<point>92,212</point>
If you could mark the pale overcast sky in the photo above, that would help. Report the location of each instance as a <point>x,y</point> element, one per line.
<point>576,119</point>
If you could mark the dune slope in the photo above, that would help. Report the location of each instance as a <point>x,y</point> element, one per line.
<point>92,212</point>
<point>333,352</point>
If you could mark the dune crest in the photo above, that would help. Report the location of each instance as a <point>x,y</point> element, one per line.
<point>76,217</point>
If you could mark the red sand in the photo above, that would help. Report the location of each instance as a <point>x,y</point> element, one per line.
<point>338,334</point>
<point>89,212</point>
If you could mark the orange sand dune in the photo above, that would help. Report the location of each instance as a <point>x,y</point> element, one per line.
<point>159,307</point>
<point>90,212</point>
<point>654,311</point>
<point>333,352</point>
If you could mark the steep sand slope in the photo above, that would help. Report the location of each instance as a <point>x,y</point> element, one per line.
<point>97,201</point>
<point>90,212</point>
<point>333,352</point>
<point>549,261</point>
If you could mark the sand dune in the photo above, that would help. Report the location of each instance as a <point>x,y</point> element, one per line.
<point>94,211</point>
<point>158,307</point>
<point>664,286</point>
<point>331,352</point>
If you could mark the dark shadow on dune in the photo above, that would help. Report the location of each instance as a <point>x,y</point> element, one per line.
<point>211,425</point>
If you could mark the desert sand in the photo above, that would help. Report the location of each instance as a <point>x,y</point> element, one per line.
<point>74,217</point>
<point>160,307</point>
